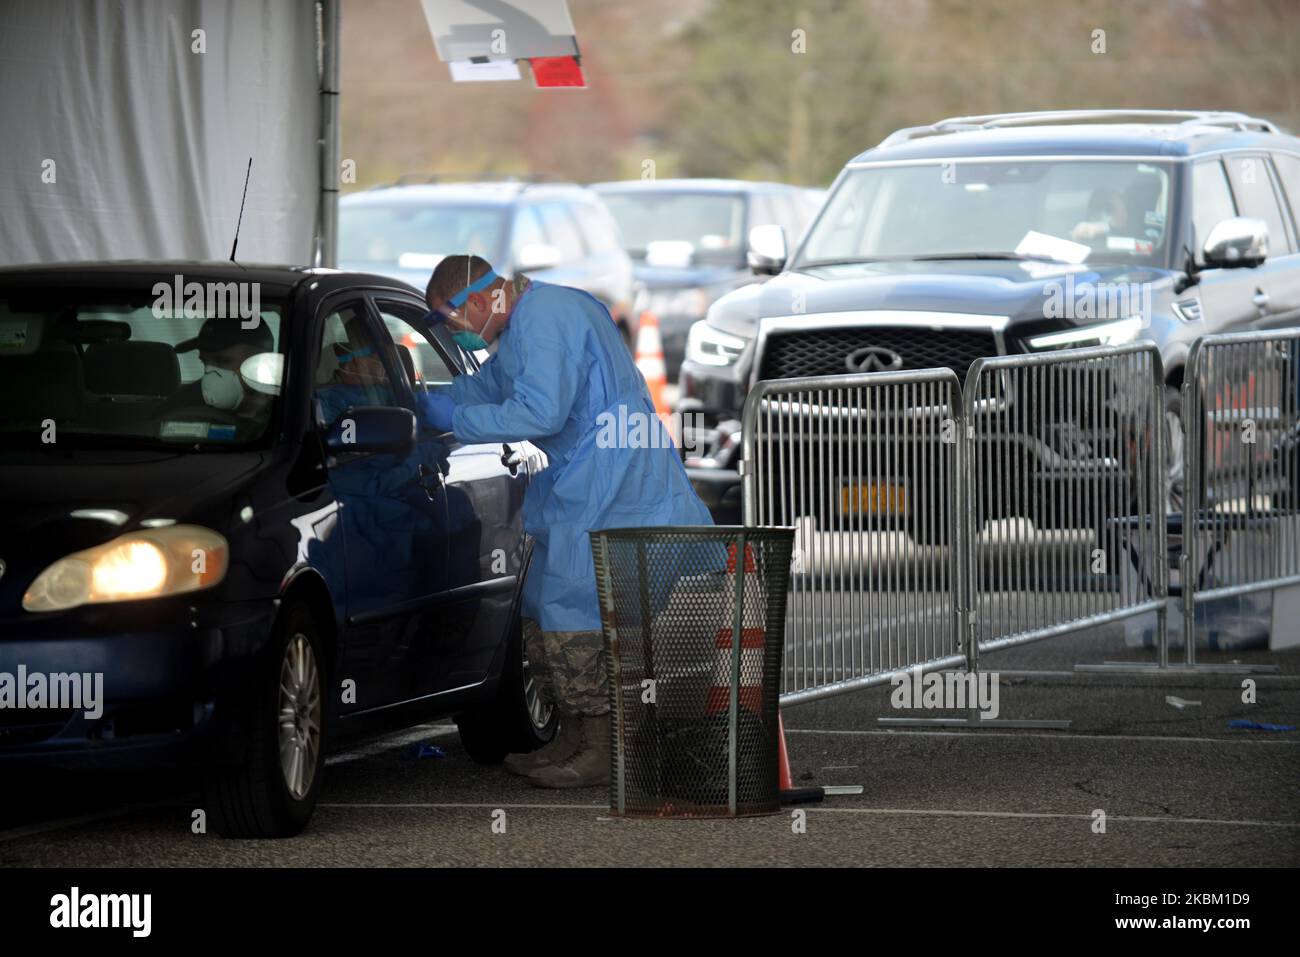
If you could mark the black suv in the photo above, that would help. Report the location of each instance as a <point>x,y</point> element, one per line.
<point>987,235</point>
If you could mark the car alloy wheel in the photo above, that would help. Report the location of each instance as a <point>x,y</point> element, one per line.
<point>300,716</point>
<point>539,711</point>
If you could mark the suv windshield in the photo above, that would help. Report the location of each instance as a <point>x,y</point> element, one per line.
<point>712,223</point>
<point>129,370</point>
<point>1107,211</point>
<point>387,233</point>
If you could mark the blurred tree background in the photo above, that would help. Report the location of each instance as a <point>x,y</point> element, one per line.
<point>790,89</point>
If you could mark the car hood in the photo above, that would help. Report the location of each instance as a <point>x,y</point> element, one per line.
<point>1015,290</point>
<point>74,500</point>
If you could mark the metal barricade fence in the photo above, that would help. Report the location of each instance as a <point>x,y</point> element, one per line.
<point>865,467</point>
<point>1065,477</point>
<point>933,522</point>
<point>1241,409</point>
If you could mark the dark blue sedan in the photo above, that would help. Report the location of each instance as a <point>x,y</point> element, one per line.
<point>227,538</point>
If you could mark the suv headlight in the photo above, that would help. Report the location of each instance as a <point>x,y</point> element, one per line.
<point>711,347</point>
<point>149,563</point>
<point>1103,333</point>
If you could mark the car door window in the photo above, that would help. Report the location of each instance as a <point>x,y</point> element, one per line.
<point>349,369</point>
<point>1211,201</point>
<point>562,231</point>
<point>598,230</point>
<point>1252,183</point>
<point>791,213</point>
<point>762,212</point>
<point>1288,170</point>
<point>528,230</point>
<point>788,215</point>
<point>425,363</point>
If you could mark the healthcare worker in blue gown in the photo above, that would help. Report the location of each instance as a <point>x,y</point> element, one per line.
<point>560,362</point>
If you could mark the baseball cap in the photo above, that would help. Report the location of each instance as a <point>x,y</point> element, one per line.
<point>217,333</point>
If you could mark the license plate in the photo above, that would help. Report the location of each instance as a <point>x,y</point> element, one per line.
<point>874,498</point>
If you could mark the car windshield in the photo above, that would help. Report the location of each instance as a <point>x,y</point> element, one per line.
<point>1099,211</point>
<point>712,223</point>
<point>114,370</point>
<point>414,235</point>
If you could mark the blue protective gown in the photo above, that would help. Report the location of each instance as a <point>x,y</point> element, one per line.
<point>559,364</point>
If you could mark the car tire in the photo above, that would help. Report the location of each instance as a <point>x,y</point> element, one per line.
<point>273,791</point>
<point>516,721</point>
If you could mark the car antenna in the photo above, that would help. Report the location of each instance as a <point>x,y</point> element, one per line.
<point>235,244</point>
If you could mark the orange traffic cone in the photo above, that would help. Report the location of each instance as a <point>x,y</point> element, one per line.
<point>750,566</point>
<point>650,360</point>
<point>751,657</point>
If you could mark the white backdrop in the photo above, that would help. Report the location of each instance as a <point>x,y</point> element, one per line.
<point>149,140</point>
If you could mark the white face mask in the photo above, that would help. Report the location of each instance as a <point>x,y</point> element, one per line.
<point>222,388</point>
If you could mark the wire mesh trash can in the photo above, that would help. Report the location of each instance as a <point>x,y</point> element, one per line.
<point>694,623</point>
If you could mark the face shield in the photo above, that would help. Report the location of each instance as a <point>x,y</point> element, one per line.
<point>452,309</point>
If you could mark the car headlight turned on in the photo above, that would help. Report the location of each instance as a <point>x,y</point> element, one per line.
<point>150,563</point>
<point>1104,334</point>
<point>711,347</point>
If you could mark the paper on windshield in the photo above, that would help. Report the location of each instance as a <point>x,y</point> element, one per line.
<point>1042,244</point>
<point>669,253</point>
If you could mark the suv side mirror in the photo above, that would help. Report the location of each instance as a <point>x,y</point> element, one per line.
<point>1237,241</point>
<point>372,428</point>
<point>537,256</point>
<point>767,250</point>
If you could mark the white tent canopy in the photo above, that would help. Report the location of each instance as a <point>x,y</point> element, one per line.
<point>119,139</point>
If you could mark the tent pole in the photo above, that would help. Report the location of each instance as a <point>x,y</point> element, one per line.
<point>328,218</point>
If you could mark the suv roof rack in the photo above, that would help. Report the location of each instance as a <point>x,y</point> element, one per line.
<point>1186,119</point>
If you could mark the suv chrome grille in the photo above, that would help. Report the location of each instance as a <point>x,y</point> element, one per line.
<point>788,354</point>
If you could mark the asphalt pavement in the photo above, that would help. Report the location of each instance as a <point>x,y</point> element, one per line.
<point>1133,781</point>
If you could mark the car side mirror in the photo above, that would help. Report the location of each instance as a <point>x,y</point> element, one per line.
<point>767,250</point>
<point>1237,241</point>
<point>534,256</point>
<point>372,428</point>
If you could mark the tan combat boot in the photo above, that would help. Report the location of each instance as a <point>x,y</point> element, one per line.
<point>564,743</point>
<point>587,767</point>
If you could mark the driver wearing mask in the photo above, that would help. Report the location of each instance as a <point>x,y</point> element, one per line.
<point>223,346</point>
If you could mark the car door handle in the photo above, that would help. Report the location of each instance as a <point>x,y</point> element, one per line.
<point>1260,299</point>
<point>430,480</point>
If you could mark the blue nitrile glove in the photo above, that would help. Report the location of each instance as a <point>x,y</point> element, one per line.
<point>436,409</point>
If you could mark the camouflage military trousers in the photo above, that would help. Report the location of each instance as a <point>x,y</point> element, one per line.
<point>569,668</point>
